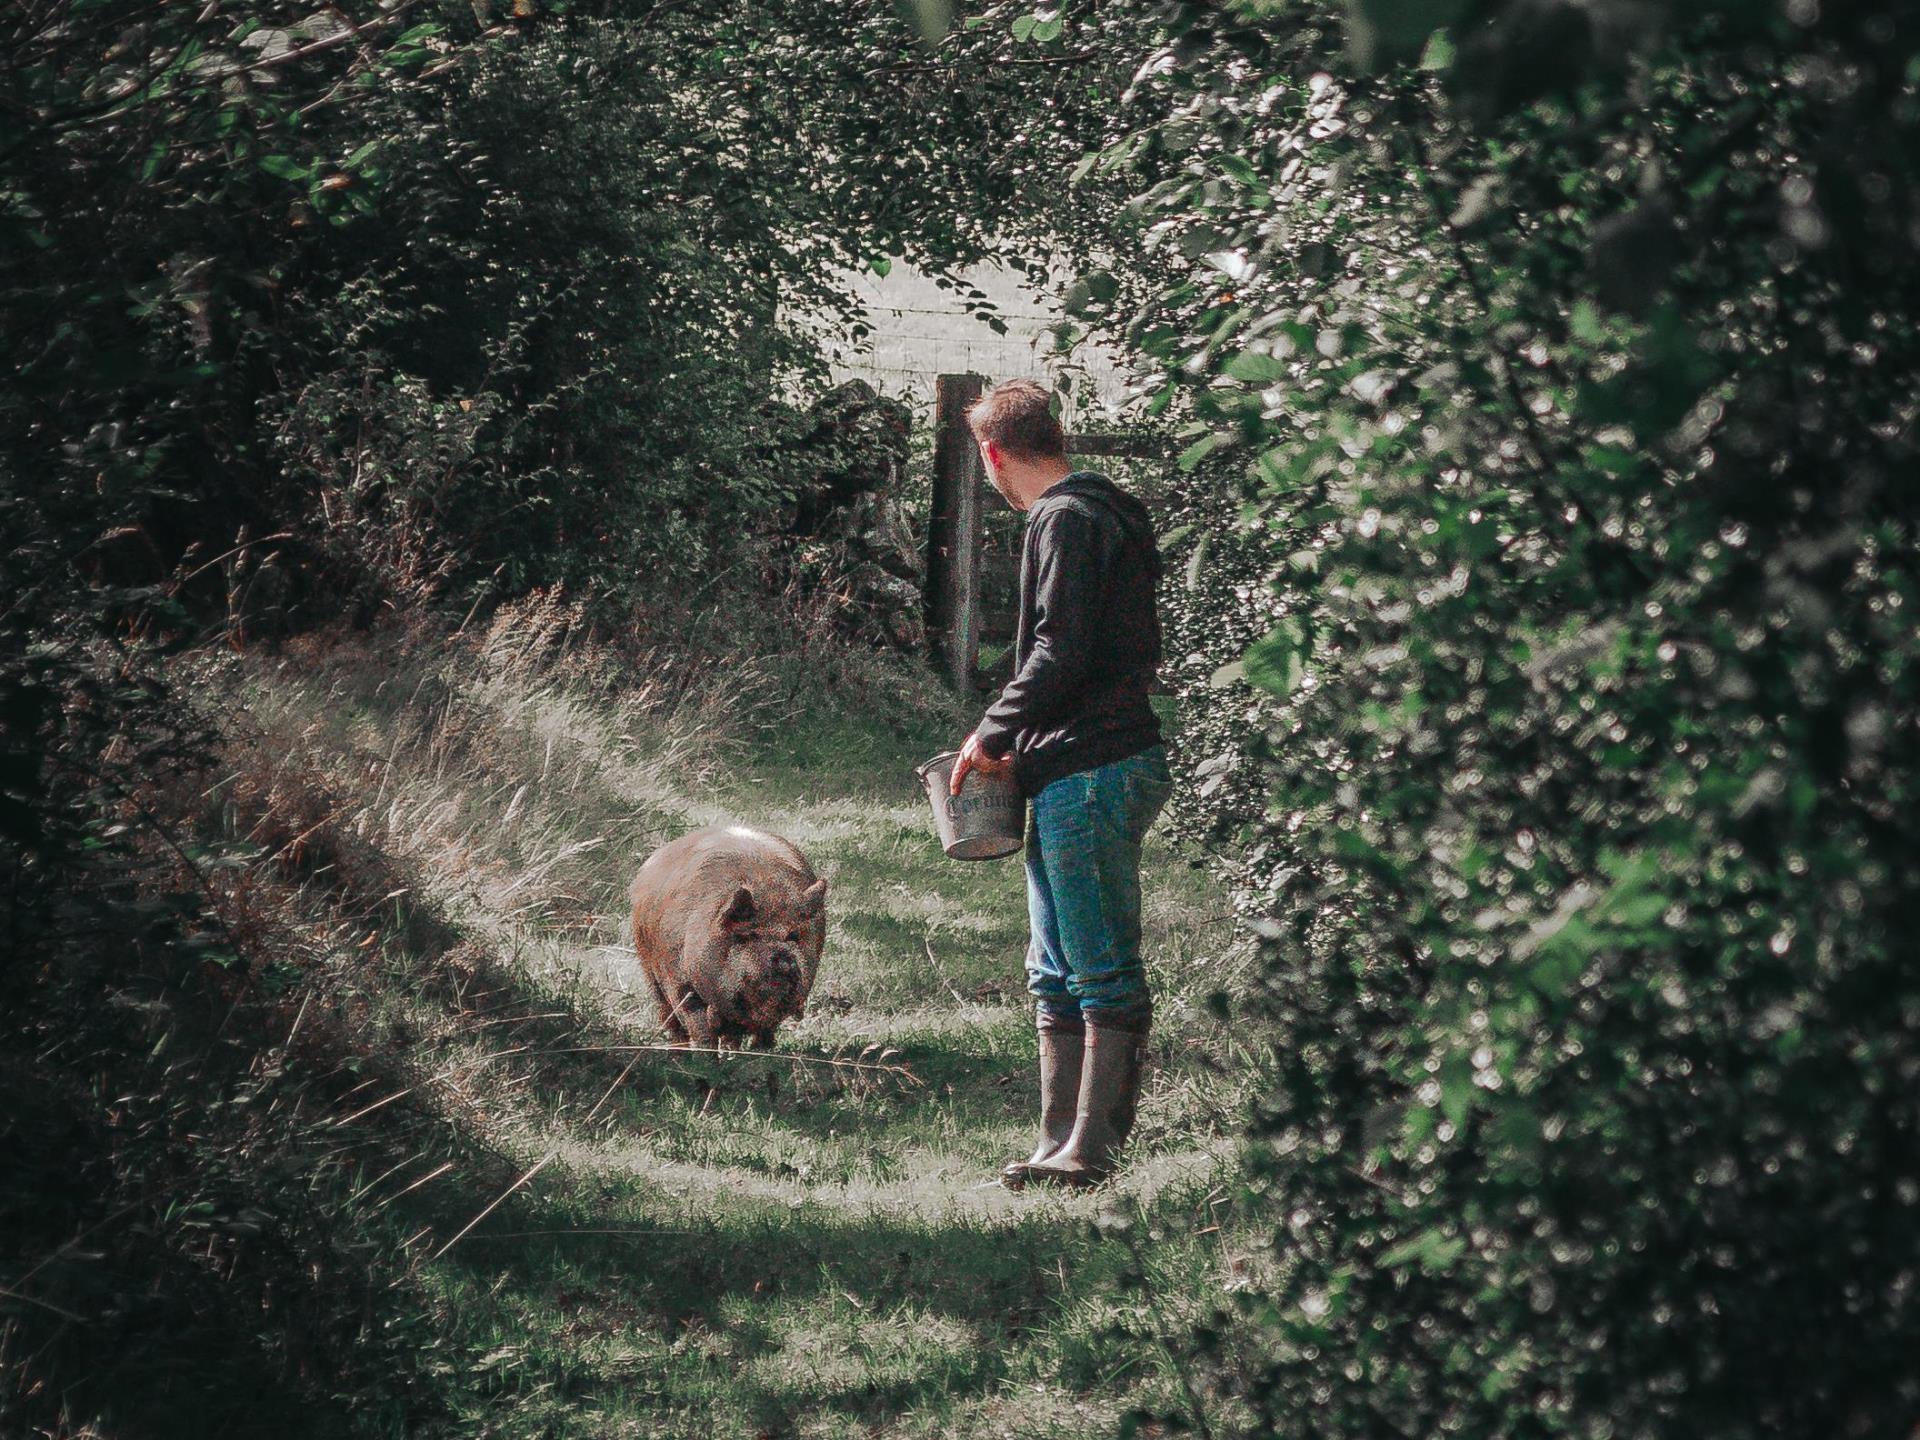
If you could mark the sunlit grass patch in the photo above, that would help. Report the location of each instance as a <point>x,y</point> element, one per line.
<point>868,1365</point>
<point>808,1242</point>
<point>646,1303</point>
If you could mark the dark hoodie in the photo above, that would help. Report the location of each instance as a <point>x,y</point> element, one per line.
<point>1089,638</point>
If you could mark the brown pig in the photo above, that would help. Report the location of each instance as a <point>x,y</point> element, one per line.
<point>728,924</point>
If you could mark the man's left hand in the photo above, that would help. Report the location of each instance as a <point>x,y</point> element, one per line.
<point>972,757</point>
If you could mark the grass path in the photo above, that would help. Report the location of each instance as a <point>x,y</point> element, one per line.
<point>807,1243</point>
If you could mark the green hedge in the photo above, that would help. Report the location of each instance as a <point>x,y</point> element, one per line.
<point>1549,692</point>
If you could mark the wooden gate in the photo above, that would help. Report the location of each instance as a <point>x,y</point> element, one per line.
<point>956,522</point>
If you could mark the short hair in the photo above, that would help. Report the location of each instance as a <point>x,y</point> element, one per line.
<point>1017,416</point>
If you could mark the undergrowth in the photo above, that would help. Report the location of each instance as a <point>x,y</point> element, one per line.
<point>389,1146</point>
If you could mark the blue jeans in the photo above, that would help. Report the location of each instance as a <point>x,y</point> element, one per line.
<point>1083,885</point>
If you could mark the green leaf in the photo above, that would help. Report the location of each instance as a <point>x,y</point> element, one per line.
<point>1239,169</point>
<point>930,20</point>
<point>1439,54</point>
<point>1561,957</point>
<point>1384,33</point>
<point>286,167</point>
<point>881,266</point>
<point>1434,1249</point>
<point>1118,153</point>
<point>1456,1089</point>
<point>1274,662</point>
<point>1254,368</point>
<point>1611,460</point>
<point>1638,911</point>
<point>1197,563</point>
<point>1200,449</point>
<point>1585,323</point>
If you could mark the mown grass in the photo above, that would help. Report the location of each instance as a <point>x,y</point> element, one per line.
<point>802,1243</point>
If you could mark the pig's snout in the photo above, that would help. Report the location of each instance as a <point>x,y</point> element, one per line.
<point>775,989</point>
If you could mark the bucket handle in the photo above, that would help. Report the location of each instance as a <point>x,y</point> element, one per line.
<point>920,771</point>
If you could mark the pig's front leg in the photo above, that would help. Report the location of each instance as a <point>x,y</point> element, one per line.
<point>695,1017</point>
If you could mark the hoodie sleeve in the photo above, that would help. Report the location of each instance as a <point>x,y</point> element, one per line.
<point>1069,555</point>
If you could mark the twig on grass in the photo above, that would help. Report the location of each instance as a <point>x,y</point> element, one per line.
<point>689,1052</point>
<point>638,1233</point>
<point>610,1089</point>
<point>246,545</point>
<point>938,973</point>
<point>498,1201</point>
<point>519,1019</point>
<point>431,1175</point>
<point>378,1179</point>
<point>305,1000</point>
<point>433,1080</point>
<point>63,1313</point>
<point>62,1249</point>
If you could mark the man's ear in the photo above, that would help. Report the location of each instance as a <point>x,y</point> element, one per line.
<point>992,454</point>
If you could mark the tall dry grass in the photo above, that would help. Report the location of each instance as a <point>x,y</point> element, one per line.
<point>509,769</point>
<point>520,768</point>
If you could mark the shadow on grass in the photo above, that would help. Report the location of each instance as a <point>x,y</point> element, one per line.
<point>183,1247</point>
<point>887,1100</point>
<point>799,1311</point>
<point>776,1406</point>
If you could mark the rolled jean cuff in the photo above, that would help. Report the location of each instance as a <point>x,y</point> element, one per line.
<point>1116,990</point>
<point>1051,991</point>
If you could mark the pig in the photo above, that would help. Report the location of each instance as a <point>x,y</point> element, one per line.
<point>728,924</point>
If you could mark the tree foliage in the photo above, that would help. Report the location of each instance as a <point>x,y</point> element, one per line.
<point>1547,649</point>
<point>318,312</point>
<point>324,312</point>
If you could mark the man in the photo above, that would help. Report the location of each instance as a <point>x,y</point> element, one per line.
<point>1075,726</point>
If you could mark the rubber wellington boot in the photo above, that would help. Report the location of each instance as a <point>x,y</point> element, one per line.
<point>1062,1051</point>
<point>1111,1068</point>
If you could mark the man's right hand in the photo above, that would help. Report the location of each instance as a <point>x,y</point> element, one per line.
<point>972,757</point>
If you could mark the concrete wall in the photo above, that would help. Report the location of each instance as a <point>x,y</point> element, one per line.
<point>921,331</point>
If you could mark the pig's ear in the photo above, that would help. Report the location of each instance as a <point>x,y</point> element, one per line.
<point>739,910</point>
<point>816,897</point>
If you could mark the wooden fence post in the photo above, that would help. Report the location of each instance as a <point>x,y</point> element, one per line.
<point>953,534</point>
<point>952,597</point>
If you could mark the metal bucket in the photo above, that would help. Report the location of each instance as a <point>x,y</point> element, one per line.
<point>987,820</point>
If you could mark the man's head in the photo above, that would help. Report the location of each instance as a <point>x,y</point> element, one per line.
<point>1020,439</point>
